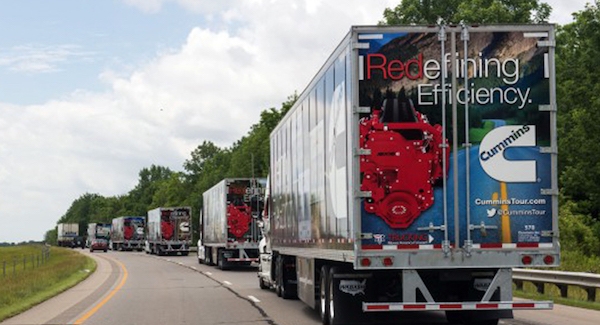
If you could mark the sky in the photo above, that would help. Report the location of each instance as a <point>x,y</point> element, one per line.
<point>92,91</point>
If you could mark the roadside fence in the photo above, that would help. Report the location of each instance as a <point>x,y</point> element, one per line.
<point>25,262</point>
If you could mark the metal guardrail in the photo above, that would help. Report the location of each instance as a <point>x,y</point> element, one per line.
<point>587,281</point>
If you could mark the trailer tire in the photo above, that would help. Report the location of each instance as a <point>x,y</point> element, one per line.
<point>334,302</point>
<point>324,294</point>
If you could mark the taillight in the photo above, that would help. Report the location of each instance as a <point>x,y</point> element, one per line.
<point>388,261</point>
<point>365,262</point>
<point>527,260</point>
<point>549,259</point>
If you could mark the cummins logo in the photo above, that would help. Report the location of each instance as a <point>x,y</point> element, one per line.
<point>353,287</point>
<point>492,154</point>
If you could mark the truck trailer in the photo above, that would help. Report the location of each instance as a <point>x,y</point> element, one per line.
<point>67,234</point>
<point>128,233</point>
<point>169,231</point>
<point>98,236</point>
<point>415,171</point>
<point>229,233</point>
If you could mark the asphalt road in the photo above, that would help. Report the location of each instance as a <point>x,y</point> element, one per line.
<point>137,289</point>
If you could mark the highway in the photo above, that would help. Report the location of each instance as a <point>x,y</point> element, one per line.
<point>131,288</point>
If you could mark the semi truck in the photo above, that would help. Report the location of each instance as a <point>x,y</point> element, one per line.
<point>98,236</point>
<point>229,233</point>
<point>67,234</point>
<point>128,233</point>
<point>169,231</point>
<point>415,171</point>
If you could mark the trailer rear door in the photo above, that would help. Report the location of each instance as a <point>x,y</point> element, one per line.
<point>464,164</point>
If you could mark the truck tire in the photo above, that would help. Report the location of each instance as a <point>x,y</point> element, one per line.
<point>221,263</point>
<point>282,284</point>
<point>324,294</point>
<point>261,283</point>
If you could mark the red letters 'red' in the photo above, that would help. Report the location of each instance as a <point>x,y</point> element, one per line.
<point>395,69</point>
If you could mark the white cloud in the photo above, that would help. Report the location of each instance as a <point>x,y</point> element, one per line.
<point>35,58</point>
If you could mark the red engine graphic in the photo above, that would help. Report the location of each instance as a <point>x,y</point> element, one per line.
<point>167,229</point>
<point>238,219</point>
<point>128,232</point>
<point>404,163</point>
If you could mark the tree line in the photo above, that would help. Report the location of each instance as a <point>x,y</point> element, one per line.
<point>578,98</point>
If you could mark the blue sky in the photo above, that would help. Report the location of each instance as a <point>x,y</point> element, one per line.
<point>50,48</point>
<point>91,92</point>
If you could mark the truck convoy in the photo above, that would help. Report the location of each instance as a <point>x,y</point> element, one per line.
<point>414,172</point>
<point>169,231</point>
<point>67,234</point>
<point>128,233</point>
<point>229,234</point>
<point>98,236</point>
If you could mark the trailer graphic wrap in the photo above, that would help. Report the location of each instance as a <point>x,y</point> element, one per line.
<point>408,161</point>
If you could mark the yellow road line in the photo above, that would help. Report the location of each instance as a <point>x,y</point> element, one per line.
<point>506,238</point>
<point>106,299</point>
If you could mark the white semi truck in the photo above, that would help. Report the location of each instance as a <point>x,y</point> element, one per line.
<point>169,231</point>
<point>229,233</point>
<point>67,234</point>
<point>415,171</point>
<point>128,233</point>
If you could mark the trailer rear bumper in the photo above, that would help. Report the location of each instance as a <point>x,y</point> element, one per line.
<point>456,306</point>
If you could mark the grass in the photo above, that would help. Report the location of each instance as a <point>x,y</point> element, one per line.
<point>31,286</point>
<point>577,297</point>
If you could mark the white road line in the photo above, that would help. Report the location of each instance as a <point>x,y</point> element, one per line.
<point>227,283</point>
<point>253,298</point>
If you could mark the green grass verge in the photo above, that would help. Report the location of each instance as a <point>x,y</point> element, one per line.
<point>577,297</point>
<point>31,286</point>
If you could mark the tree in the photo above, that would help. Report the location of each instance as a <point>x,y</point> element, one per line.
<point>140,198</point>
<point>51,237</point>
<point>470,11</point>
<point>578,96</point>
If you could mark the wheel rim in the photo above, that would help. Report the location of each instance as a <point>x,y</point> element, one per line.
<point>322,296</point>
<point>331,301</point>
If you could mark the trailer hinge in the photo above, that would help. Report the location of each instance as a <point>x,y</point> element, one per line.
<point>362,109</point>
<point>360,46</point>
<point>549,191</point>
<point>548,233</point>
<point>550,150</point>
<point>362,152</point>
<point>363,194</point>
<point>366,235</point>
<point>546,44</point>
<point>547,108</point>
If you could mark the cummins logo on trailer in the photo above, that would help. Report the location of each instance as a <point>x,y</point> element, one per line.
<point>493,159</point>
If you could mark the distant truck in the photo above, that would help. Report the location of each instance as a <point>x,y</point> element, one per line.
<point>98,236</point>
<point>416,170</point>
<point>68,234</point>
<point>128,233</point>
<point>229,234</point>
<point>169,231</point>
